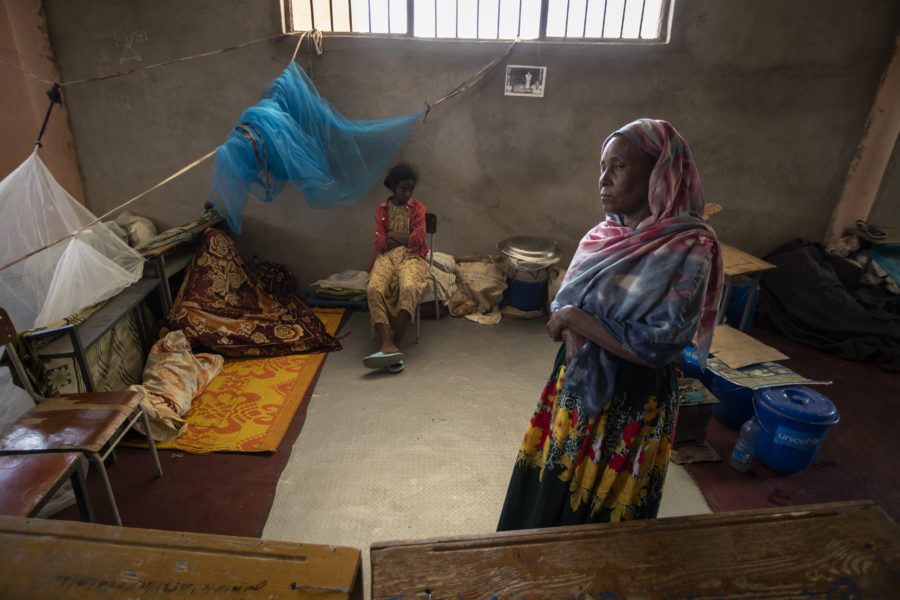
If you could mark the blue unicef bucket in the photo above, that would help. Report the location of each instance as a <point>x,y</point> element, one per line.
<point>794,421</point>
<point>735,402</point>
<point>526,295</point>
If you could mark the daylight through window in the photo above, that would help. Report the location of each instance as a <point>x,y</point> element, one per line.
<point>631,20</point>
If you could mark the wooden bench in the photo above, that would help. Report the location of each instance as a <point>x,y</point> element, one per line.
<point>840,550</point>
<point>42,559</point>
<point>29,481</point>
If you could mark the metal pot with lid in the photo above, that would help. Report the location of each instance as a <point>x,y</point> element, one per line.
<point>527,253</point>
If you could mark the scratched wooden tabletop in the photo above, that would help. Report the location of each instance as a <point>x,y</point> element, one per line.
<point>64,559</point>
<point>840,550</point>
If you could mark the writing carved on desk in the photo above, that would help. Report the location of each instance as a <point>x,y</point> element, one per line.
<point>132,582</point>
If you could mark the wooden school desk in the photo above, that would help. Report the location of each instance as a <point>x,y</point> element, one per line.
<point>29,481</point>
<point>840,550</point>
<point>41,559</point>
<point>744,269</point>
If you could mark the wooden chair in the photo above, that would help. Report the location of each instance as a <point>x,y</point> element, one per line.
<point>91,423</point>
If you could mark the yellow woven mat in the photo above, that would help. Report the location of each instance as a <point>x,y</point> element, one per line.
<point>250,404</point>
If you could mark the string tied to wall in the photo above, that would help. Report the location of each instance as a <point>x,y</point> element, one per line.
<point>471,81</point>
<point>328,174</point>
<point>55,98</point>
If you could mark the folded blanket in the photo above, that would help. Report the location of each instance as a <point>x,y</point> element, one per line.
<point>345,280</point>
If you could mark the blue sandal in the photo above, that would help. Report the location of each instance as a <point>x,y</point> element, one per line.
<point>380,359</point>
<point>396,367</point>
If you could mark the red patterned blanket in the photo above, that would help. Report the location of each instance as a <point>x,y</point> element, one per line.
<point>230,306</point>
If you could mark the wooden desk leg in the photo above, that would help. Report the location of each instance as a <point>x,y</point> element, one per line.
<point>82,498</point>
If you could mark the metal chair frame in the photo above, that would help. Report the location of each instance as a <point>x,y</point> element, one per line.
<point>430,229</point>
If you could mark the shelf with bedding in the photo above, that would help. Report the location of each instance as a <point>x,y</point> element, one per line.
<point>74,341</point>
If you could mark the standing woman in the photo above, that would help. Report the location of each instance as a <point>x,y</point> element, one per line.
<point>399,271</point>
<point>642,283</point>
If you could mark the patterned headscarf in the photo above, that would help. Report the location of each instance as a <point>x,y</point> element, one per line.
<point>652,287</point>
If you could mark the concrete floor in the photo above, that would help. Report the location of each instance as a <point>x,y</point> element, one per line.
<point>427,452</point>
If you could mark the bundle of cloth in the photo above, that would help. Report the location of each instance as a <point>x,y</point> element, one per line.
<point>827,302</point>
<point>351,284</point>
<point>231,306</point>
<point>173,376</point>
<point>347,285</point>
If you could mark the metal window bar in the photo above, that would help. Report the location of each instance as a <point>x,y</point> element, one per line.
<point>622,22</point>
<point>542,28</point>
<point>641,22</point>
<point>603,27</point>
<point>410,19</point>
<point>587,6</point>
<point>519,23</point>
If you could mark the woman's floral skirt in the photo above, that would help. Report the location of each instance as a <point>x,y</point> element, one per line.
<point>572,469</point>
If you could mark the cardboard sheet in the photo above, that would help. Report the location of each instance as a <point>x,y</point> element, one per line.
<point>737,349</point>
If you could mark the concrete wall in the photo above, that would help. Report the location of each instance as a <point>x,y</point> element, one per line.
<point>772,96</point>
<point>25,77</point>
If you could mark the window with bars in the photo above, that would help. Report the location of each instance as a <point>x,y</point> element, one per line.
<point>594,20</point>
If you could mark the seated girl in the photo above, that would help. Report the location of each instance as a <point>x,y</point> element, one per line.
<point>399,271</point>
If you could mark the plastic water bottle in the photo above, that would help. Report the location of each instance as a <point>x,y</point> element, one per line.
<point>745,445</point>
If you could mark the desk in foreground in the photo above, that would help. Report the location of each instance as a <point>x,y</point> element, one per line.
<point>841,550</point>
<point>64,559</point>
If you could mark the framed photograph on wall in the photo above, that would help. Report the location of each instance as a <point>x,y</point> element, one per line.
<point>523,80</point>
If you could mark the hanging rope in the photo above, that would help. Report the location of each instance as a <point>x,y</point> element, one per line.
<point>471,81</point>
<point>121,206</point>
<point>182,59</point>
<point>315,37</point>
<point>27,73</point>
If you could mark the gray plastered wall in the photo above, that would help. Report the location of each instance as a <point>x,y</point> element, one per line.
<point>772,96</point>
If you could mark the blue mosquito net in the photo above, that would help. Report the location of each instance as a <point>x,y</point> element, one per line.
<point>295,135</point>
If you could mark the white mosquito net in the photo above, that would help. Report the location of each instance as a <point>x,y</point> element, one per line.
<point>55,282</point>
